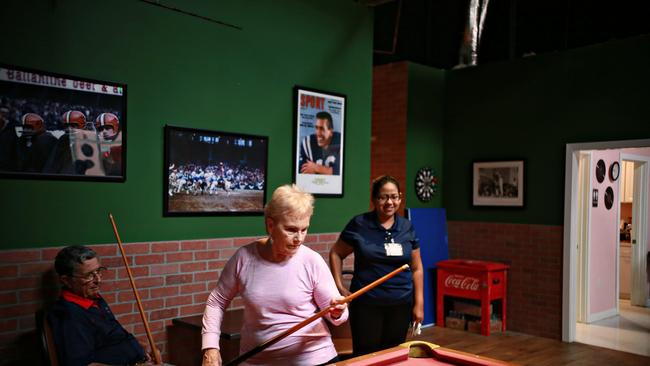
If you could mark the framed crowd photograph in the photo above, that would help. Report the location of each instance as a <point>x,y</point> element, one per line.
<point>214,173</point>
<point>55,126</point>
<point>318,141</point>
<point>498,183</point>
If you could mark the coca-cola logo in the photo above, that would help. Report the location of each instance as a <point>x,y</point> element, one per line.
<point>462,282</point>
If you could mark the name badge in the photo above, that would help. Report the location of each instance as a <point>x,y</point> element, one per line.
<point>394,249</point>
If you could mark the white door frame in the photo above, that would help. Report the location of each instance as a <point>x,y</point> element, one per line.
<point>639,289</point>
<point>583,236</point>
<point>569,263</point>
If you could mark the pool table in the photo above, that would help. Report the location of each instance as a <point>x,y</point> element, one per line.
<point>420,354</point>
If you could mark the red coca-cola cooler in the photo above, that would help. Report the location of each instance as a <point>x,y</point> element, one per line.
<point>475,280</point>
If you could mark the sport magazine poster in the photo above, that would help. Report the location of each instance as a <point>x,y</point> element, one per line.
<point>319,140</point>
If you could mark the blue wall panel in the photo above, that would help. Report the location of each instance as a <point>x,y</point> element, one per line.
<point>431,227</point>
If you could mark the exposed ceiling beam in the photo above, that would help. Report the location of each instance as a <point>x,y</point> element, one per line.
<point>372,3</point>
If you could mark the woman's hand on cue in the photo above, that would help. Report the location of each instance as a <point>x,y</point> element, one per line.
<point>337,307</point>
<point>211,357</point>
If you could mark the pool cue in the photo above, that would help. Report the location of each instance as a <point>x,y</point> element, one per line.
<point>154,350</point>
<point>317,315</point>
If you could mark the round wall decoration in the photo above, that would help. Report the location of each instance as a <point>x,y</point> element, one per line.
<point>609,197</point>
<point>601,169</point>
<point>614,171</point>
<point>426,184</point>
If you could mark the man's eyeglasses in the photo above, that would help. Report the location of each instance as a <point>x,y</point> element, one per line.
<point>87,277</point>
<point>385,197</point>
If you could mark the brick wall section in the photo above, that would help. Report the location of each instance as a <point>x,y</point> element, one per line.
<point>389,121</point>
<point>173,279</point>
<point>534,254</point>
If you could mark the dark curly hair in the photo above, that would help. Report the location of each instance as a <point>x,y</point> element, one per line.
<point>382,180</point>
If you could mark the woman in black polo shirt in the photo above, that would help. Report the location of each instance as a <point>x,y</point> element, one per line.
<point>381,241</point>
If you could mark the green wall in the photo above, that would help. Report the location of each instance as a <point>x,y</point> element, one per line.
<point>424,129</point>
<point>189,72</point>
<point>530,109</point>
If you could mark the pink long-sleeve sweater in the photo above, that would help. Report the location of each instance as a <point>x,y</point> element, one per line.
<point>276,297</point>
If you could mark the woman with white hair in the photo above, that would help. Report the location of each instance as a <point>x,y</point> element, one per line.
<point>282,283</point>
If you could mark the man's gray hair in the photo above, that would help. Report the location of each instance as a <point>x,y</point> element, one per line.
<point>69,258</point>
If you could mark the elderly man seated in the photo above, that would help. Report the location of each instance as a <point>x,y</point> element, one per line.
<point>85,330</point>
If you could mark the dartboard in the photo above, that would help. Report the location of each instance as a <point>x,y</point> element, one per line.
<point>426,184</point>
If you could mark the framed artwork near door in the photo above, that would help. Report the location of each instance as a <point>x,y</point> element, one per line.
<point>498,183</point>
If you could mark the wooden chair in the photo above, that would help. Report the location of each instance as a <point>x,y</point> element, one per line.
<point>47,339</point>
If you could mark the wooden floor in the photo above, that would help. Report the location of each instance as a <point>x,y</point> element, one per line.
<point>528,350</point>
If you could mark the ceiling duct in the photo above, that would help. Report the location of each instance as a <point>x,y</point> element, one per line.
<point>473,29</point>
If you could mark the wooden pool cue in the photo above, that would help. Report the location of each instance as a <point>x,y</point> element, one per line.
<point>152,344</point>
<point>241,358</point>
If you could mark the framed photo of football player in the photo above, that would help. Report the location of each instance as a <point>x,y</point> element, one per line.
<point>214,173</point>
<point>319,137</point>
<point>55,126</point>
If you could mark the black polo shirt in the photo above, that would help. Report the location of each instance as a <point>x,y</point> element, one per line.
<point>371,261</point>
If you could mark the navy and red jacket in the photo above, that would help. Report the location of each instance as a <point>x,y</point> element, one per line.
<point>86,331</point>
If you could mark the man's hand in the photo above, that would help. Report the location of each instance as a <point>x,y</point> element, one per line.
<point>152,358</point>
<point>337,307</point>
<point>148,354</point>
<point>211,357</point>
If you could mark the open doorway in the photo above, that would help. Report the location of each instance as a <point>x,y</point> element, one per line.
<point>588,297</point>
<point>634,217</point>
<point>626,213</point>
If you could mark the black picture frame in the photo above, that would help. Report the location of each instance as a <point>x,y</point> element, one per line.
<point>614,171</point>
<point>208,173</point>
<point>601,171</point>
<point>498,183</point>
<point>61,127</point>
<point>608,198</point>
<point>319,154</point>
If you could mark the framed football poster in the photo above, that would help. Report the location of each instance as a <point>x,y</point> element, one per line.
<point>214,173</point>
<point>319,141</point>
<point>55,126</point>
